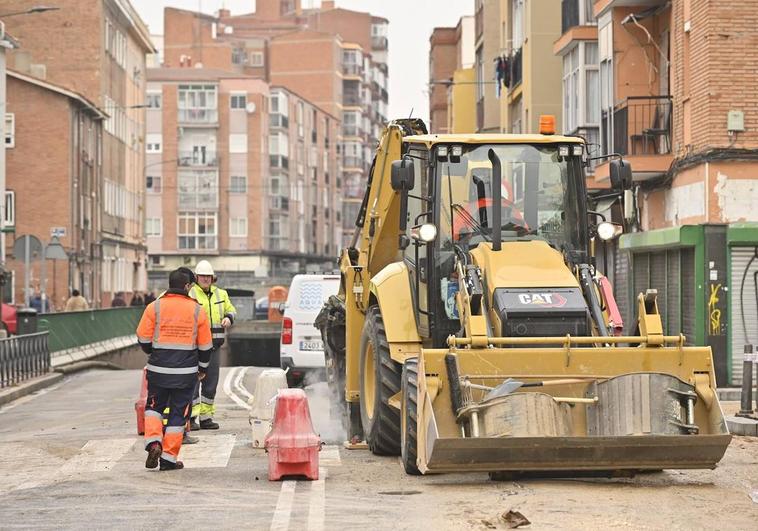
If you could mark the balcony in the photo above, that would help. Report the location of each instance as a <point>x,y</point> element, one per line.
<point>350,162</point>
<point>352,130</point>
<point>279,203</point>
<point>206,159</point>
<point>279,120</point>
<point>642,126</point>
<point>352,69</point>
<point>198,116</point>
<point>279,161</point>
<point>639,128</point>
<point>351,99</point>
<point>379,43</point>
<point>516,69</point>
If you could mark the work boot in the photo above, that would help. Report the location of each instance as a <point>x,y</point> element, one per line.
<point>194,426</point>
<point>168,465</point>
<point>208,424</point>
<point>154,452</point>
<point>189,439</point>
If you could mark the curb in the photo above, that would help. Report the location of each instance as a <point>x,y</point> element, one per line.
<point>29,387</point>
<point>86,365</point>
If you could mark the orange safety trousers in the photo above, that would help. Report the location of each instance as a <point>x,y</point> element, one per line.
<point>179,402</point>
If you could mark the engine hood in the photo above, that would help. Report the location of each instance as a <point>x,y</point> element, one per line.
<point>523,264</point>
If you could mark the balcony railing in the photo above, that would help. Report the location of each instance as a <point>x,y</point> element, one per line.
<point>351,99</point>
<point>516,68</point>
<point>197,158</point>
<point>569,14</point>
<point>279,120</point>
<point>642,126</point>
<point>352,162</point>
<point>279,161</point>
<point>378,43</point>
<point>351,130</point>
<point>352,69</point>
<point>279,203</point>
<point>198,116</point>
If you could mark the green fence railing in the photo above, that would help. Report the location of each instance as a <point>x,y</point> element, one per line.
<point>76,329</point>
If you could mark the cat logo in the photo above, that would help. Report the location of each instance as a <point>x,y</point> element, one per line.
<point>546,300</point>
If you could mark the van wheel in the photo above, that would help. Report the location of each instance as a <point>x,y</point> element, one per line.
<point>380,379</point>
<point>409,412</point>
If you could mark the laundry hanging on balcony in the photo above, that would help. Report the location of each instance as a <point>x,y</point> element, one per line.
<point>502,74</point>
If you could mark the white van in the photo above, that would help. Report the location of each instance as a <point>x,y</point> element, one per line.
<point>301,348</point>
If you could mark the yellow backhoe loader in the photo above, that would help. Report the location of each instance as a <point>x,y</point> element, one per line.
<point>473,330</point>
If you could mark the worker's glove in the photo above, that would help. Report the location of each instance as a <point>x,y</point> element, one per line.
<point>200,376</point>
<point>226,322</point>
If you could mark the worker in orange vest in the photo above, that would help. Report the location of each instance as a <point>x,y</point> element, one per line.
<point>175,332</point>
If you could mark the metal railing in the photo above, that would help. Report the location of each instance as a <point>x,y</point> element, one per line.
<point>352,69</point>
<point>642,126</point>
<point>23,357</point>
<point>197,158</point>
<point>198,116</point>
<point>75,329</point>
<point>516,68</point>
<point>569,14</point>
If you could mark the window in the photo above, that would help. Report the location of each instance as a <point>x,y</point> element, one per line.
<point>153,184</point>
<point>10,130</point>
<point>237,143</point>
<point>10,208</point>
<point>153,226</point>
<point>238,100</point>
<point>238,184</point>
<point>197,103</point>
<point>196,230</point>
<point>237,226</point>
<point>154,143</point>
<point>256,59</point>
<point>239,56</point>
<point>278,144</point>
<point>518,23</point>
<point>154,100</point>
<point>605,50</point>
<point>198,190</point>
<point>580,88</point>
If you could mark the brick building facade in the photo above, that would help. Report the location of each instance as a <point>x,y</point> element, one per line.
<point>97,49</point>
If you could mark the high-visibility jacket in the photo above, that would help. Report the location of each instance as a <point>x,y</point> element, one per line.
<point>217,305</point>
<point>175,332</point>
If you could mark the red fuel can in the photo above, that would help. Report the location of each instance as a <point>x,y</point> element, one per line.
<point>139,405</point>
<point>292,445</point>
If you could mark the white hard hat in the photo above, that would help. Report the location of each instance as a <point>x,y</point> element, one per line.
<point>204,267</point>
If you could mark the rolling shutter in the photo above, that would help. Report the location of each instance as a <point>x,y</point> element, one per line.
<point>740,259</point>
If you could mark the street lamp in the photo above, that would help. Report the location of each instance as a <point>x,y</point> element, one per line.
<point>30,11</point>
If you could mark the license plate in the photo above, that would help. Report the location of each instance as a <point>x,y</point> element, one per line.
<point>314,344</point>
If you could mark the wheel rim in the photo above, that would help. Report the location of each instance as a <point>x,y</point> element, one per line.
<point>369,383</point>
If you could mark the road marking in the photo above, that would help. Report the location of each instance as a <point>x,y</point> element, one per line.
<point>228,389</point>
<point>213,451</point>
<point>317,502</point>
<point>330,455</point>
<point>96,456</point>
<point>281,519</point>
<point>244,394</point>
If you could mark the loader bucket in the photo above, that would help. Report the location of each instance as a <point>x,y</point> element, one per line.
<point>620,409</point>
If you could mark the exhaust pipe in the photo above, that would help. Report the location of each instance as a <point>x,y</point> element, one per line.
<point>497,222</point>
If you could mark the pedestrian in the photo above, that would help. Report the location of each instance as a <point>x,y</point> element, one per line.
<point>118,300</point>
<point>175,333</point>
<point>137,299</point>
<point>76,302</point>
<point>150,297</point>
<point>221,314</point>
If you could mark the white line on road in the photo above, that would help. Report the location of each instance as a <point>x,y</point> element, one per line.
<point>211,452</point>
<point>97,456</point>
<point>281,519</point>
<point>228,389</point>
<point>238,385</point>
<point>317,502</point>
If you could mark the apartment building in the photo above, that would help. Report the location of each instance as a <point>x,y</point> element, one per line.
<point>335,58</point>
<point>53,145</point>
<point>97,49</point>
<point>487,48</point>
<point>442,65</point>
<point>241,173</point>
<point>6,134</point>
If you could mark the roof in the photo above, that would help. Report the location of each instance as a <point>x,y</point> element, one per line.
<point>99,113</point>
<point>192,74</point>
<point>137,24</point>
<point>431,140</point>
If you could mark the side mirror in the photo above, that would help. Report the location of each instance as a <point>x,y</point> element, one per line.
<point>621,175</point>
<point>402,176</point>
<point>281,307</point>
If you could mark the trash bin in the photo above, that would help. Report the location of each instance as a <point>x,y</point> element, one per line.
<point>26,321</point>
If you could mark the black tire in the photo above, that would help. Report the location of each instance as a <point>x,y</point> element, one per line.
<point>381,421</point>
<point>409,412</point>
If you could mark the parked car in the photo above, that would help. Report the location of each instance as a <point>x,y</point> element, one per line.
<point>9,318</point>
<point>261,309</point>
<point>301,347</point>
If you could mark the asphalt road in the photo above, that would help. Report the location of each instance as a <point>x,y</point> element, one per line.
<point>71,459</point>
